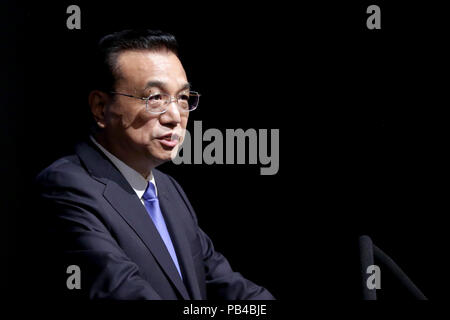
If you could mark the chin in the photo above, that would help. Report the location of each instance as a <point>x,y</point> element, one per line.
<point>167,155</point>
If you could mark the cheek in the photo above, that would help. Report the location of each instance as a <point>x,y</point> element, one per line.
<point>183,125</point>
<point>184,121</point>
<point>146,131</point>
<point>124,116</point>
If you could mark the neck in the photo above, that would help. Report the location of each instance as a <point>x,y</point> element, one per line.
<point>142,166</point>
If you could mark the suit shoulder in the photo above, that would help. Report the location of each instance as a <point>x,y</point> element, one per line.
<point>63,172</point>
<point>165,178</point>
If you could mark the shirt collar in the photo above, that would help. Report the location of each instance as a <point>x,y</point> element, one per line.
<point>134,178</point>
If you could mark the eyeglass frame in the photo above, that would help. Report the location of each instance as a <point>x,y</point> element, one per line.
<point>172,99</point>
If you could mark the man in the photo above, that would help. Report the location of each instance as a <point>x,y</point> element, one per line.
<point>125,227</point>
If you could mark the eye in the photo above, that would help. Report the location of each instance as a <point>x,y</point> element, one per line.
<point>156,97</point>
<point>183,97</point>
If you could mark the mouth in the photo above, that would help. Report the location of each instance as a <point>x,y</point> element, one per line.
<point>169,140</point>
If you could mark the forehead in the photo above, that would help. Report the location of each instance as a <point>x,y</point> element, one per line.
<point>137,68</point>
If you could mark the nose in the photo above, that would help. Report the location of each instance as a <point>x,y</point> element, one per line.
<point>172,115</point>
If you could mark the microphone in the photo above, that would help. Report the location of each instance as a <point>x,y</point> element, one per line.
<point>367,253</point>
<point>398,273</point>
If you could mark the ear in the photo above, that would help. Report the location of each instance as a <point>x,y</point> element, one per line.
<point>98,101</point>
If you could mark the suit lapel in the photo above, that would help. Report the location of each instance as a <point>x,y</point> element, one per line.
<point>124,200</point>
<point>169,207</point>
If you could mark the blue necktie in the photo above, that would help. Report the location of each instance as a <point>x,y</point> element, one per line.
<point>152,205</point>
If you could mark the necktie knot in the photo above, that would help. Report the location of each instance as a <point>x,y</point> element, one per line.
<point>150,192</point>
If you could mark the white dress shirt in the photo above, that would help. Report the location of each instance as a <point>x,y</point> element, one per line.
<point>134,178</point>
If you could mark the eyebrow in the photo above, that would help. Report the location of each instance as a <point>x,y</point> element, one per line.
<point>161,85</point>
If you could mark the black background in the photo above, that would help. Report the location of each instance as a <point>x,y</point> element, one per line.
<point>362,126</point>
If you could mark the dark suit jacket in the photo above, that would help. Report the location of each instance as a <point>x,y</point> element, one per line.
<point>95,220</point>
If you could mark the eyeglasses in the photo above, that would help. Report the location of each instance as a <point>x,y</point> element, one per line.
<point>157,103</point>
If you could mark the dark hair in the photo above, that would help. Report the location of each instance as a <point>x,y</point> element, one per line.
<point>110,46</point>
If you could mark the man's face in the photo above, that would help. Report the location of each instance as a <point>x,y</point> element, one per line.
<point>130,129</point>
